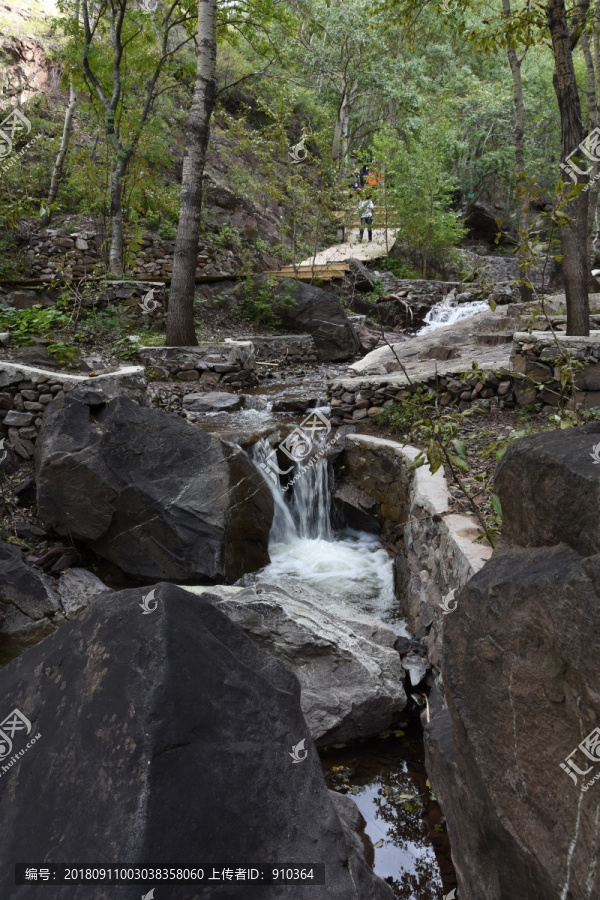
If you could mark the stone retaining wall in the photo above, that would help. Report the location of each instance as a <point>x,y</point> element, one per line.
<point>355,399</point>
<point>227,363</point>
<point>435,553</point>
<point>25,393</point>
<point>78,253</point>
<point>537,360</point>
<point>292,348</point>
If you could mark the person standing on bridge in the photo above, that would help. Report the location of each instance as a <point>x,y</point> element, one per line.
<point>365,209</point>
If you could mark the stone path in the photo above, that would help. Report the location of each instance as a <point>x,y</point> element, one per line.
<point>352,249</point>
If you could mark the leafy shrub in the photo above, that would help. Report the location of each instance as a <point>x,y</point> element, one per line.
<point>25,324</point>
<point>257,304</point>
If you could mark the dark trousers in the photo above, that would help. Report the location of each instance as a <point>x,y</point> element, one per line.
<point>368,221</point>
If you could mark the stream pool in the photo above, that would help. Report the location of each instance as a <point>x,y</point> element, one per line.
<point>387,779</point>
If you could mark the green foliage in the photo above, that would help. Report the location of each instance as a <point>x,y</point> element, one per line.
<point>403,416</point>
<point>399,268</point>
<point>126,349</point>
<point>65,355</point>
<point>13,262</point>
<point>259,302</point>
<point>418,192</point>
<point>25,324</point>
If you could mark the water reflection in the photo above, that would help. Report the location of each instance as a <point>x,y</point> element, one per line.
<point>388,782</point>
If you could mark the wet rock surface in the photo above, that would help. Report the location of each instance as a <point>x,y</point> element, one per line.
<point>351,676</point>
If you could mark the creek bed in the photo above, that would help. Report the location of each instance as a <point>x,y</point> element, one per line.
<point>257,416</point>
<point>386,777</point>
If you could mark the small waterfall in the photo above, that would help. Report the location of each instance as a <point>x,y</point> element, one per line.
<point>303,511</point>
<point>350,565</point>
<point>447,312</point>
<point>311,502</point>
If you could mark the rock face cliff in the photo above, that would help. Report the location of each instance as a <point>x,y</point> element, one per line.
<point>514,750</point>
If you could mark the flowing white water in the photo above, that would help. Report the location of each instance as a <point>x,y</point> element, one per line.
<point>447,312</point>
<point>351,565</point>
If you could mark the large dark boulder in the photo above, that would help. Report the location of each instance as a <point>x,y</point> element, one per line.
<point>153,494</point>
<point>307,309</point>
<point>520,664</point>
<point>549,487</point>
<point>522,685</point>
<point>165,739</point>
<point>480,222</point>
<point>29,606</point>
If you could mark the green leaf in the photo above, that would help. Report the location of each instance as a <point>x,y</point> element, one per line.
<point>496,505</point>
<point>459,463</point>
<point>460,448</point>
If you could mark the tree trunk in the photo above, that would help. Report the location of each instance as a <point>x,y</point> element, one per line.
<point>573,235</point>
<point>348,106</point>
<point>341,123</point>
<point>593,116</point>
<point>523,195</point>
<point>115,253</point>
<point>593,201</point>
<point>58,163</point>
<point>181,331</point>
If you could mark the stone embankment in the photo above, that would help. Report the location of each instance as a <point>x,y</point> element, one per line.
<point>214,363</point>
<point>353,400</point>
<point>550,369</point>
<point>26,392</point>
<point>435,550</point>
<point>497,367</point>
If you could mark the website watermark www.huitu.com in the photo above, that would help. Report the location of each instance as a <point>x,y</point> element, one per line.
<point>298,446</point>
<point>590,747</point>
<point>13,126</point>
<point>590,148</point>
<point>14,723</point>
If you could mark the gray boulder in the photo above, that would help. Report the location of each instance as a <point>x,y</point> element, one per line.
<point>359,509</point>
<point>480,221</point>
<point>77,589</point>
<point>351,676</point>
<point>513,758</point>
<point>171,736</point>
<point>359,277</point>
<point>153,494</point>
<point>215,401</point>
<point>522,687</point>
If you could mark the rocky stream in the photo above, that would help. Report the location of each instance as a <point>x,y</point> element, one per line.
<point>226,572</point>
